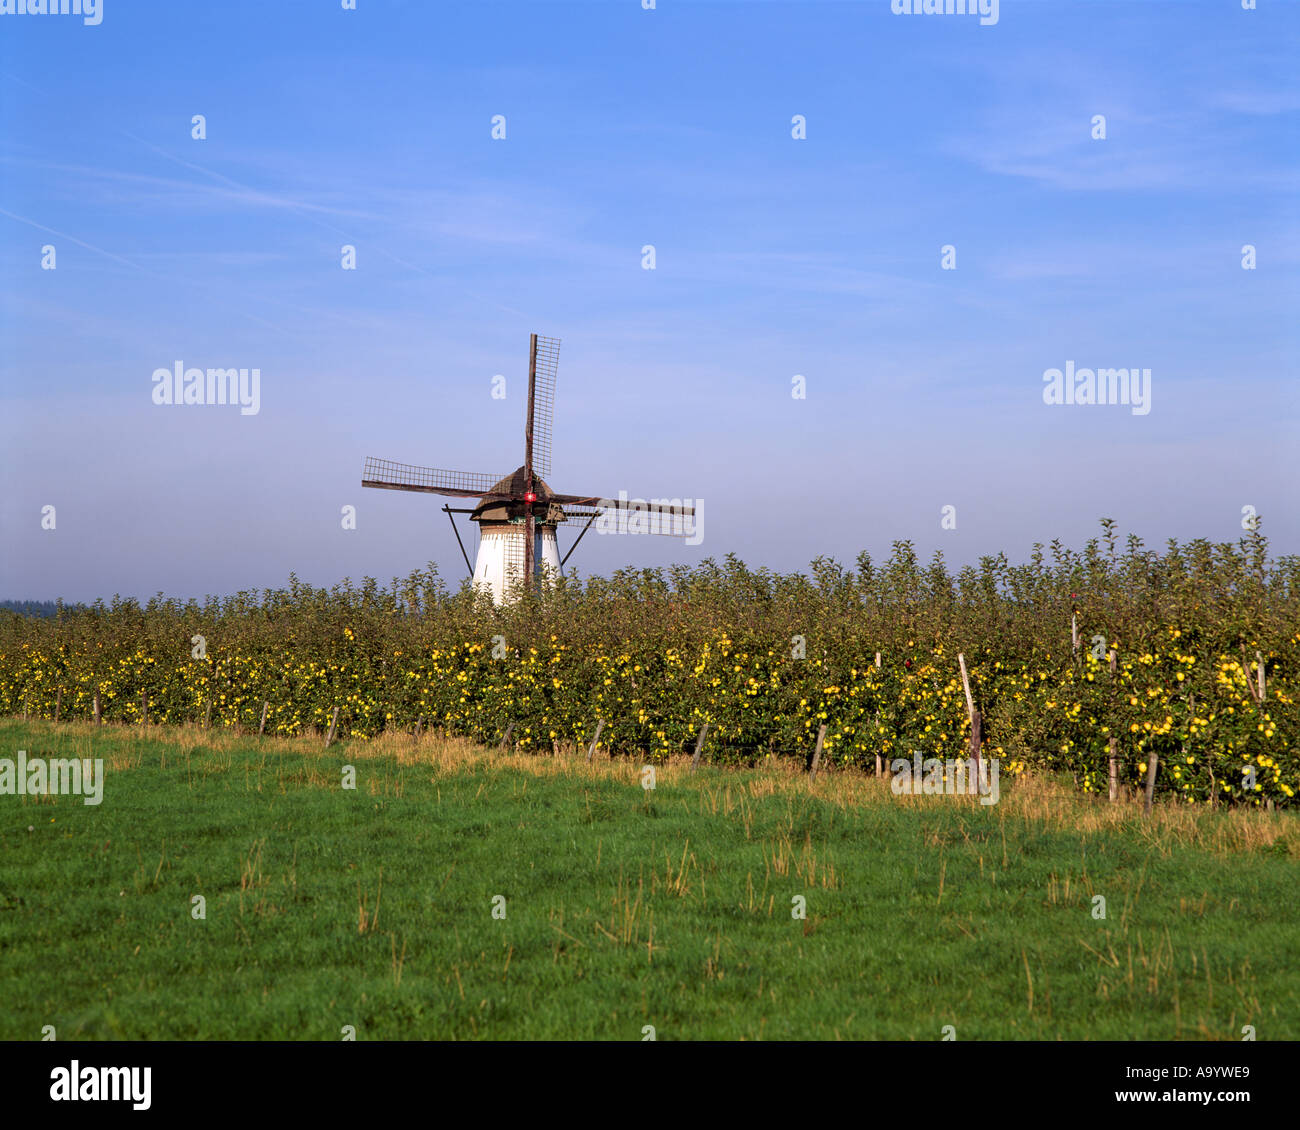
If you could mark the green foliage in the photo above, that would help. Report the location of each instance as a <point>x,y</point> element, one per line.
<point>764,658</point>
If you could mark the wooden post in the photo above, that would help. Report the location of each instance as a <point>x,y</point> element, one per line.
<point>1251,684</point>
<point>877,661</point>
<point>1152,762</point>
<point>144,708</point>
<point>879,766</point>
<point>98,720</point>
<point>1113,766</point>
<point>965,683</point>
<point>506,736</point>
<point>699,746</point>
<point>591,749</point>
<point>261,726</point>
<point>1074,633</point>
<point>1259,666</point>
<point>207,714</point>
<point>58,702</point>
<point>24,708</point>
<point>419,725</point>
<point>334,728</point>
<point>817,753</point>
<point>975,720</point>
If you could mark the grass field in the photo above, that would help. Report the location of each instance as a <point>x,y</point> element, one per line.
<point>373,907</point>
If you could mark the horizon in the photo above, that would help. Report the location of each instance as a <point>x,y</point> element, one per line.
<point>850,566</point>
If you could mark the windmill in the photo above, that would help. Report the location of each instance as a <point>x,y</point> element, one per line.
<point>517,514</point>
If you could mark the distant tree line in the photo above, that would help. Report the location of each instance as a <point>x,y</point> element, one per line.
<point>40,609</point>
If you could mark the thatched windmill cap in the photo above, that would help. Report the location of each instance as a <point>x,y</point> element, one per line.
<point>498,510</point>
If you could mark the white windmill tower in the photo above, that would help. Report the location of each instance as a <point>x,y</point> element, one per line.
<point>517,514</point>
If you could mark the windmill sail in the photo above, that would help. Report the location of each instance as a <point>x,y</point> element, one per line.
<point>386,475</point>
<point>546,362</point>
<point>664,517</point>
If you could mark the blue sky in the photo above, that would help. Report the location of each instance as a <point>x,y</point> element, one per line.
<point>774,257</point>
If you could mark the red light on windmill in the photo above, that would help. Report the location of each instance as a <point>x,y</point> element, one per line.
<point>530,496</point>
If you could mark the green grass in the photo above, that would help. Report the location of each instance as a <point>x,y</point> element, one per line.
<point>624,908</point>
